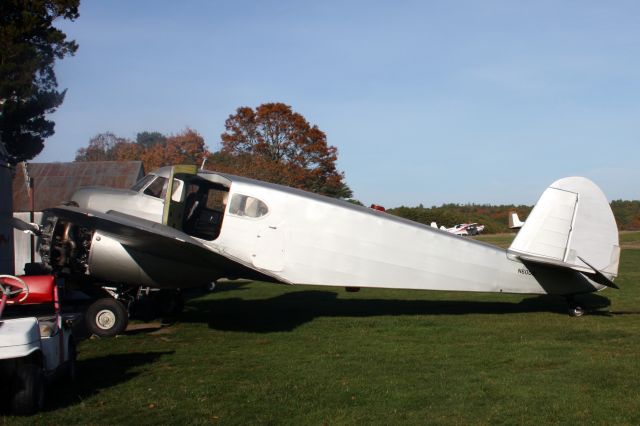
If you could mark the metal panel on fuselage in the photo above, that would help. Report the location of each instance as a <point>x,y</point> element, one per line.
<point>327,242</point>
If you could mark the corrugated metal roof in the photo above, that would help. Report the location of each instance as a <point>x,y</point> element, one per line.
<point>56,182</point>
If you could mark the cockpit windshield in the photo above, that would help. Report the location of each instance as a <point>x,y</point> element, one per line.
<point>156,186</point>
<point>142,183</point>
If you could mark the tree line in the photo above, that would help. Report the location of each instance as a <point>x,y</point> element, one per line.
<point>496,218</point>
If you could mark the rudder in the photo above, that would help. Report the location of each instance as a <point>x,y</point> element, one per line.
<point>572,224</point>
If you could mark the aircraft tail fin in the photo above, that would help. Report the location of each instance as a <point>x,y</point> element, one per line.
<point>514,221</point>
<point>571,224</point>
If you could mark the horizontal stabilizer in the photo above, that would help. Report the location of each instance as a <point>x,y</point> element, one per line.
<point>592,273</point>
<point>600,278</point>
<point>550,262</point>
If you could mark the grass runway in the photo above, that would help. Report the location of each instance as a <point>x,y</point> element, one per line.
<point>258,353</point>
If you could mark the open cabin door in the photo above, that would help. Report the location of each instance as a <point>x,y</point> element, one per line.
<point>173,213</point>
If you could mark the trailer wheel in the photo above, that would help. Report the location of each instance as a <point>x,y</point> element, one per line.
<point>28,389</point>
<point>106,317</point>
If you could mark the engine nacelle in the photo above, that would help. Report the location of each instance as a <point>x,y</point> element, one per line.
<point>70,249</point>
<point>111,261</point>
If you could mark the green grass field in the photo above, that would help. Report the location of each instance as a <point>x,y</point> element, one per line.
<point>267,354</point>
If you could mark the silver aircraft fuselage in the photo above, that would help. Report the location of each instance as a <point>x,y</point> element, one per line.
<point>296,237</point>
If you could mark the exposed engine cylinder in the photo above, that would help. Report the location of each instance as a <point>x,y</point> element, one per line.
<point>65,247</point>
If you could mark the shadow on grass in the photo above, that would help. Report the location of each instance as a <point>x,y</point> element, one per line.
<point>96,374</point>
<point>288,311</point>
<point>223,286</point>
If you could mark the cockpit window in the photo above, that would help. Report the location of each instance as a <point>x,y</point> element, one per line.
<point>243,205</point>
<point>157,188</point>
<point>142,183</point>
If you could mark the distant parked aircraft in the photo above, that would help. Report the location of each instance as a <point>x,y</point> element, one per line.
<point>466,229</point>
<point>461,229</point>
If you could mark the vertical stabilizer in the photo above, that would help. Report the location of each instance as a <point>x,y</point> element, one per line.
<point>571,221</point>
<point>514,221</point>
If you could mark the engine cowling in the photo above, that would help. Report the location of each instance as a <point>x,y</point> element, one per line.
<point>70,249</point>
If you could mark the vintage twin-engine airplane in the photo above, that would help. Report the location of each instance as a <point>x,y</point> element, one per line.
<point>183,227</point>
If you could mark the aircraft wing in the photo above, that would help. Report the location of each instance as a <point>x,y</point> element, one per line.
<point>155,239</point>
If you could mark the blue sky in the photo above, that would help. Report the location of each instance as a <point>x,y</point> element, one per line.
<point>427,102</point>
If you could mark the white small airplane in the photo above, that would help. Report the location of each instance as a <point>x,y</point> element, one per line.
<point>180,227</point>
<point>465,229</point>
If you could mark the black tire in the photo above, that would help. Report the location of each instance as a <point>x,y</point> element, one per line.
<point>576,311</point>
<point>71,372</point>
<point>106,317</point>
<point>28,390</point>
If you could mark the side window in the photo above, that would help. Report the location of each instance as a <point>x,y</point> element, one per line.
<point>243,205</point>
<point>177,190</point>
<point>216,199</point>
<point>157,188</point>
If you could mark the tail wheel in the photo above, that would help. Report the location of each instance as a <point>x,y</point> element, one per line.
<point>576,311</point>
<point>106,317</point>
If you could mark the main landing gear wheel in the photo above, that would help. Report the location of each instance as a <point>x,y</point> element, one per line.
<point>106,317</point>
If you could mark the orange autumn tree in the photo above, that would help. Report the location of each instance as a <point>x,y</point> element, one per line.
<point>186,147</point>
<point>275,144</point>
<point>127,151</point>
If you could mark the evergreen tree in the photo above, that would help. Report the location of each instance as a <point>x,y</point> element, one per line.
<point>29,47</point>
